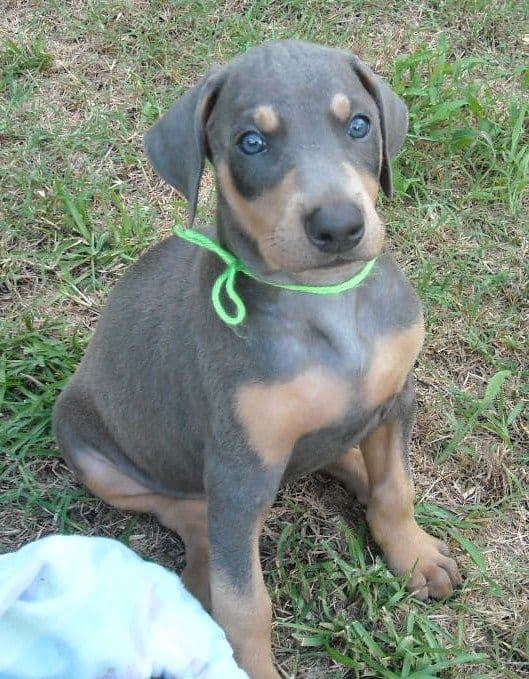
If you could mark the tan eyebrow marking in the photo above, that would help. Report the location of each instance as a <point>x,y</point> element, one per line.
<point>266,118</point>
<point>341,106</point>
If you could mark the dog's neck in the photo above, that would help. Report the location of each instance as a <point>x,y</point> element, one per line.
<point>232,237</point>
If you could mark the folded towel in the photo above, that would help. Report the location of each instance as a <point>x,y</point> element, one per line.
<point>75,607</point>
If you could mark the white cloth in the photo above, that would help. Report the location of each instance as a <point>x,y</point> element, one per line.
<point>75,607</point>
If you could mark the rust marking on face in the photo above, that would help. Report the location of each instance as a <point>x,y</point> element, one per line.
<point>392,360</point>
<point>266,118</point>
<point>363,189</point>
<point>370,184</point>
<point>341,107</point>
<point>361,182</point>
<point>276,415</point>
<point>261,217</point>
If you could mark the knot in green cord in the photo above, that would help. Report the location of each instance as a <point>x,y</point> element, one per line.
<point>227,278</point>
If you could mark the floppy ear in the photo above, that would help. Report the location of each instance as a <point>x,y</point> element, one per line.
<point>393,118</point>
<point>176,144</point>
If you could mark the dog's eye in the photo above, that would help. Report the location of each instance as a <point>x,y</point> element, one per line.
<point>252,143</point>
<point>358,127</point>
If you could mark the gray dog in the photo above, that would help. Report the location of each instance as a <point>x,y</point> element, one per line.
<point>177,412</point>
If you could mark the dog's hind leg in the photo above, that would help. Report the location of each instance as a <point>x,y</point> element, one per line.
<point>351,470</point>
<point>187,517</point>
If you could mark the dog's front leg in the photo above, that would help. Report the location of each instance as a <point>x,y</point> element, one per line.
<point>390,511</point>
<point>240,493</point>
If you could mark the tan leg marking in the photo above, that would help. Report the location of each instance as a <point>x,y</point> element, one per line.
<point>247,619</point>
<point>185,517</point>
<point>392,359</point>
<point>341,107</point>
<point>350,469</point>
<point>390,514</point>
<point>188,518</point>
<point>276,415</point>
<point>266,118</point>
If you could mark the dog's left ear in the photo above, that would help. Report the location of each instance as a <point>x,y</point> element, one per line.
<point>176,145</point>
<point>393,118</point>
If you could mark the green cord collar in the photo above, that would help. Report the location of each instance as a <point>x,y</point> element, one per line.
<point>234,265</point>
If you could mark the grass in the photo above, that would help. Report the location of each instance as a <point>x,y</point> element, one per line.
<point>80,82</point>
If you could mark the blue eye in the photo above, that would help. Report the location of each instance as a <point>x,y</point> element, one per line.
<point>358,127</point>
<point>252,143</point>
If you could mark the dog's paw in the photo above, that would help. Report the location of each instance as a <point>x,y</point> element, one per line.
<point>433,573</point>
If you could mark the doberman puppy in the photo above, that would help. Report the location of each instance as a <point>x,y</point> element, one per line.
<point>174,412</point>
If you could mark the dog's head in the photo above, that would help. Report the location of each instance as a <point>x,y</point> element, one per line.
<point>302,137</point>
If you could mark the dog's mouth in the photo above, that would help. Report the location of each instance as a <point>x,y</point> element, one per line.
<point>336,263</point>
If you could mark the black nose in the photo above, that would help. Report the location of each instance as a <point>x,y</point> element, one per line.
<point>335,227</point>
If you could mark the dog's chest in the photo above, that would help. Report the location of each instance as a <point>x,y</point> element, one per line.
<point>341,390</point>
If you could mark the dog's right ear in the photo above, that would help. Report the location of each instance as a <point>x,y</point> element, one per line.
<point>176,144</point>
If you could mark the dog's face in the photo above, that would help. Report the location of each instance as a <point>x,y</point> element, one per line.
<point>301,137</point>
